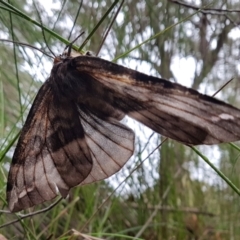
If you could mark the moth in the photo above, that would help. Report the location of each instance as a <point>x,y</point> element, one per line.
<point>73,134</point>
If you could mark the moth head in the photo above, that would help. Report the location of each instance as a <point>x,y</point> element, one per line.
<point>65,55</point>
<point>73,54</point>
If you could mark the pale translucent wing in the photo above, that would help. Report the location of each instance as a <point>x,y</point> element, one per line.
<point>168,108</point>
<point>111,144</point>
<point>51,155</point>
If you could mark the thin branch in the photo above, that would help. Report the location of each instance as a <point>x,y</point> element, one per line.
<point>42,29</point>
<point>26,17</point>
<point>16,68</point>
<point>110,26</point>
<point>216,11</point>
<point>171,209</point>
<point>75,20</point>
<point>97,26</point>
<point>26,45</point>
<point>21,217</point>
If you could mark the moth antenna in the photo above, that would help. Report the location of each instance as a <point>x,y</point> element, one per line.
<point>26,45</point>
<point>109,28</point>
<point>43,32</point>
<point>69,49</point>
<point>69,46</point>
<point>223,86</point>
<point>75,20</point>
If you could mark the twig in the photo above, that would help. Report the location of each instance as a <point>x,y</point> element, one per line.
<point>42,29</point>
<point>75,20</point>
<point>21,217</point>
<point>171,209</point>
<point>110,26</point>
<point>216,11</point>
<point>26,45</point>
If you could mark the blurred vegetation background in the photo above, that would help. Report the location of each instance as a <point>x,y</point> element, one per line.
<point>172,194</point>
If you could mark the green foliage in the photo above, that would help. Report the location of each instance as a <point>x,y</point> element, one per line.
<point>171,195</point>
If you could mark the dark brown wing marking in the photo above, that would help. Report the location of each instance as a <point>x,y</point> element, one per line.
<point>51,156</point>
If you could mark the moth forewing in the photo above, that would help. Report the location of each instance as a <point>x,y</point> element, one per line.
<point>168,108</point>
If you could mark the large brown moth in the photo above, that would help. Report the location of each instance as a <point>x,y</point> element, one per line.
<point>73,134</point>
